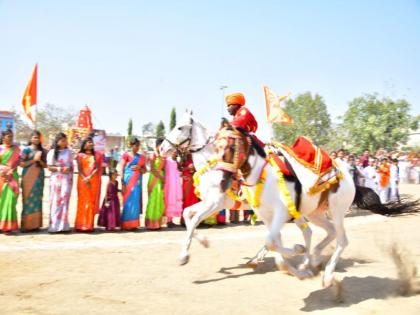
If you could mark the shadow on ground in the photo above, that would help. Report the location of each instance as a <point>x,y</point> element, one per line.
<point>354,290</point>
<point>269,265</point>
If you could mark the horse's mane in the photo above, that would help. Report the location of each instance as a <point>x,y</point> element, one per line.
<point>254,144</point>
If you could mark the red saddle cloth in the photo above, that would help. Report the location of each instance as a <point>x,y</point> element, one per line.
<point>305,152</point>
<point>281,164</point>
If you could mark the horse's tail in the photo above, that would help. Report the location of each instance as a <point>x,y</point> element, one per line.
<point>367,199</point>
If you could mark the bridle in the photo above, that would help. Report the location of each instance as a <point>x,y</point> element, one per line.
<point>181,149</point>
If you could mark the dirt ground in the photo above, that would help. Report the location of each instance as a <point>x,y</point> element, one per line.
<point>137,272</point>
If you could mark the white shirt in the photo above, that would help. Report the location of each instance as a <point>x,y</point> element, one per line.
<point>394,176</point>
<point>370,177</point>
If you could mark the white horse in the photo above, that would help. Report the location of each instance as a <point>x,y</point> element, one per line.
<point>190,134</point>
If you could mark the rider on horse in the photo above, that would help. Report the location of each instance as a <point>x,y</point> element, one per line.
<point>235,146</point>
<point>242,116</point>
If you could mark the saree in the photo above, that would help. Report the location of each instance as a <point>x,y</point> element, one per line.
<point>9,187</point>
<point>33,177</point>
<point>156,203</point>
<point>189,197</point>
<point>132,199</point>
<point>88,194</point>
<point>110,213</point>
<point>173,190</point>
<point>60,191</point>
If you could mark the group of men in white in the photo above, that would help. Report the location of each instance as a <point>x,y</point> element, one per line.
<point>372,179</point>
<point>379,174</point>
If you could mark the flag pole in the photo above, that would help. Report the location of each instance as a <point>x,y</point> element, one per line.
<point>36,105</point>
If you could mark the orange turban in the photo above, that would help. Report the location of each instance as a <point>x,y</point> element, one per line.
<point>235,99</point>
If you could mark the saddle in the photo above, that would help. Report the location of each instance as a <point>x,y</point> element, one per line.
<point>304,155</point>
<point>233,147</point>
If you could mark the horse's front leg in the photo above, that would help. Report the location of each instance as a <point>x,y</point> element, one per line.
<point>193,216</point>
<point>307,235</point>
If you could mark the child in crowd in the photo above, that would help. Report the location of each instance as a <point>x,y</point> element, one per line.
<point>110,214</point>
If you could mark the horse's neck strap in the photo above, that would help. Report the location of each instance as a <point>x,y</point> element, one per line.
<point>261,177</point>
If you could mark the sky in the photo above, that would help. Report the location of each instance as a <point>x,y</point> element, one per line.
<point>138,59</point>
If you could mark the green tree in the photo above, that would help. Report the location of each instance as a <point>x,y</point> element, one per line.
<point>130,127</point>
<point>172,121</point>
<point>148,129</point>
<point>50,120</point>
<point>160,129</point>
<point>311,119</point>
<point>371,123</point>
<point>22,129</point>
<point>129,130</point>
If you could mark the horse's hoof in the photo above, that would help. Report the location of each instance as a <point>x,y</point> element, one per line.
<point>303,274</point>
<point>183,260</point>
<point>299,249</point>
<point>316,264</point>
<point>303,266</point>
<point>252,264</point>
<point>327,281</point>
<point>310,273</point>
<point>205,242</point>
<point>282,267</point>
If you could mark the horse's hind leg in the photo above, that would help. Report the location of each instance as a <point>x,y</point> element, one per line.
<point>342,242</point>
<point>274,242</point>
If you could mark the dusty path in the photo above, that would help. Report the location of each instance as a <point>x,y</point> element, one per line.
<point>137,273</point>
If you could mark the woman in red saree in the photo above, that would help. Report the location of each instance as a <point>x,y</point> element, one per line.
<point>88,186</point>
<point>188,170</point>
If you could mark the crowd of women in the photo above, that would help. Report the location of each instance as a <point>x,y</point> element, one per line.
<point>170,187</point>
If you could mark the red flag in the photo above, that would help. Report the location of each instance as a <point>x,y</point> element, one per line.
<point>275,112</point>
<point>29,97</point>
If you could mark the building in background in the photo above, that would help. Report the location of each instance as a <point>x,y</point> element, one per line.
<point>7,120</point>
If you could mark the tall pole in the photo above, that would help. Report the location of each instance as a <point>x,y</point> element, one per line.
<point>222,109</point>
<point>36,105</point>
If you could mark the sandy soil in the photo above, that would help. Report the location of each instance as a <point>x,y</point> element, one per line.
<point>137,272</point>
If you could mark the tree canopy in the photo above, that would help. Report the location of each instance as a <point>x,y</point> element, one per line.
<point>371,123</point>
<point>311,119</point>
<point>51,119</point>
<point>172,121</point>
<point>160,129</point>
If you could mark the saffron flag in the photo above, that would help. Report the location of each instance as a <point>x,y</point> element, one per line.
<point>30,96</point>
<point>273,105</point>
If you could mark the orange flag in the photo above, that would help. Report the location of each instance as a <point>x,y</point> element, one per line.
<point>275,112</point>
<point>29,97</point>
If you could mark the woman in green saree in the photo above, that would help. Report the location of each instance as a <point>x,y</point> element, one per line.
<point>156,203</point>
<point>33,162</point>
<point>9,182</point>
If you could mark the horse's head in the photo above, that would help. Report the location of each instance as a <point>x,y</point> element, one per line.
<point>180,137</point>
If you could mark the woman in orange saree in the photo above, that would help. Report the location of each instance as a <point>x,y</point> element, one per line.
<point>88,186</point>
